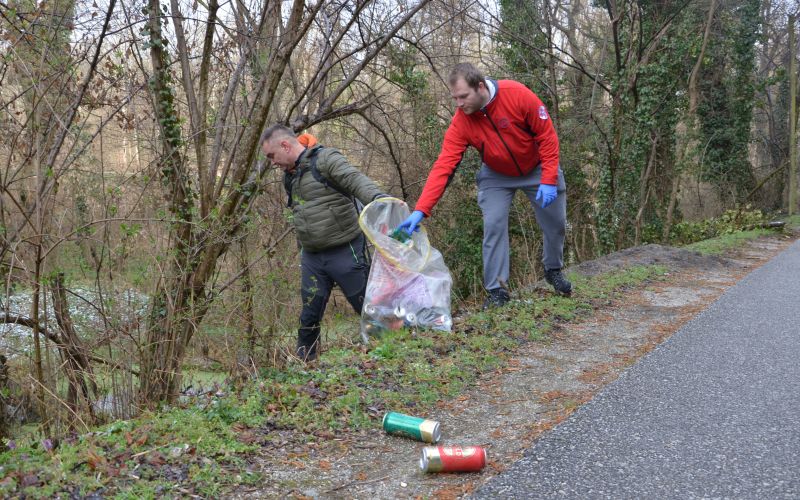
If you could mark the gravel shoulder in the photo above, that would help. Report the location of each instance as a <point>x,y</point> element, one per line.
<point>540,386</point>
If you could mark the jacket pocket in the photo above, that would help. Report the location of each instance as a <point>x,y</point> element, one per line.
<point>346,217</point>
<point>301,222</point>
<point>337,219</point>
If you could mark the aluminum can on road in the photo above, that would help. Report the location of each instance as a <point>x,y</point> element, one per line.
<point>452,459</point>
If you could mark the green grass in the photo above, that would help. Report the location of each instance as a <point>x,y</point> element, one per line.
<point>793,221</point>
<point>198,377</point>
<point>132,459</point>
<point>721,244</point>
<point>201,442</point>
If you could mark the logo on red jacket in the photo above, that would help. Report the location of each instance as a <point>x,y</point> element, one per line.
<point>542,112</point>
<point>503,123</point>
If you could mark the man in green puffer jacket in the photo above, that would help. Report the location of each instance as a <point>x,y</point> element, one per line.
<point>325,218</point>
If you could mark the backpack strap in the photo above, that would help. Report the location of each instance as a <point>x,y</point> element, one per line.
<point>328,184</point>
<point>287,185</point>
<point>287,181</point>
<point>321,178</point>
<point>312,156</point>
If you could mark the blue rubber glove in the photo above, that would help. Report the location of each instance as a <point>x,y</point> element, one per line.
<point>547,194</point>
<point>411,223</point>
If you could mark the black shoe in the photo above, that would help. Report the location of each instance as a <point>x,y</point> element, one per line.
<point>559,282</point>
<point>497,298</point>
<point>307,353</point>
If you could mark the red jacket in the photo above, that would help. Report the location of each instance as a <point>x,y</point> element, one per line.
<point>513,133</point>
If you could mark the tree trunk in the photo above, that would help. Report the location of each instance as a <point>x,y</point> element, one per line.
<point>3,395</point>
<point>171,314</point>
<point>555,110</point>
<point>673,202</point>
<point>75,358</point>
<point>161,363</point>
<point>644,184</point>
<point>37,345</point>
<point>247,290</point>
<point>686,133</point>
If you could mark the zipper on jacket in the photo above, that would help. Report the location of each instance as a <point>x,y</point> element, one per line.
<point>513,158</point>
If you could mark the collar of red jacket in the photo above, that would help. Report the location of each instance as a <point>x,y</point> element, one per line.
<point>494,89</point>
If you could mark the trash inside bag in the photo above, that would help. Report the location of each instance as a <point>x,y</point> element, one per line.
<point>409,283</point>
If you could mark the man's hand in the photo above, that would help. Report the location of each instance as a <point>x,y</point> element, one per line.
<point>547,194</point>
<point>411,223</point>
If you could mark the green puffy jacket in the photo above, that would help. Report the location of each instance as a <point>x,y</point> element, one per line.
<point>322,216</point>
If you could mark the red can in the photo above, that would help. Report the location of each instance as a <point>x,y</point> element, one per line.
<point>452,459</point>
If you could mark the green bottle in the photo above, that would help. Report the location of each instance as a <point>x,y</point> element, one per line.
<point>400,235</point>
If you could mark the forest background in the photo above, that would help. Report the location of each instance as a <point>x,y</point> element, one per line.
<point>145,244</point>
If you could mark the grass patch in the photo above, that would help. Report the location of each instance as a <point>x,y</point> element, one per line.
<point>725,242</point>
<point>198,447</point>
<point>151,456</point>
<point>200,378</point>
<point>792,221</point>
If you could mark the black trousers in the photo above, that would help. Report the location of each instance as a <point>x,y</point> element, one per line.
<point>345,265</point>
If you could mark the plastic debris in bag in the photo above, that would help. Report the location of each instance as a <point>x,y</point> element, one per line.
<point>409,283</point>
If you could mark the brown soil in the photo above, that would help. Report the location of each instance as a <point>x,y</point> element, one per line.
<point>540,386</point>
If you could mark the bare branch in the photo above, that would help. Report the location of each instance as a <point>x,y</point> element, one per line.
<point>327,104</point>
<point>13,319</point>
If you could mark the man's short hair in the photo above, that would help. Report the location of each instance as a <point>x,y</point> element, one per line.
<point>469,73</point>
<point>278,131</point>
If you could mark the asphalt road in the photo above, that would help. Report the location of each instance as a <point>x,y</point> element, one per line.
<point>713,412</point>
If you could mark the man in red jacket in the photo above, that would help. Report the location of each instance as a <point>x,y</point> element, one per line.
<point>511,128</point>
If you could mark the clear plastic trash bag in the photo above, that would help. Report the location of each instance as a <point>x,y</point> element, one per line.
<point>409,283</point>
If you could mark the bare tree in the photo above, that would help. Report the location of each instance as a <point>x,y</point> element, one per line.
<point>227,182</point>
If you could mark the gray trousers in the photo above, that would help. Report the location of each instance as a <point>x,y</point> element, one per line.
<point>495,194</point>
<point>345,265</point>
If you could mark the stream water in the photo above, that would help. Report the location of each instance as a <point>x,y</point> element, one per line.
<point>93,315</point>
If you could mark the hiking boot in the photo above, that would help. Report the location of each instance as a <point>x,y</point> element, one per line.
<point>307,353</point>
<point>497,298</point>
<point>558,281</point>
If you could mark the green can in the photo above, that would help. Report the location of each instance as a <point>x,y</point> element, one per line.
<point>417,428</point>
